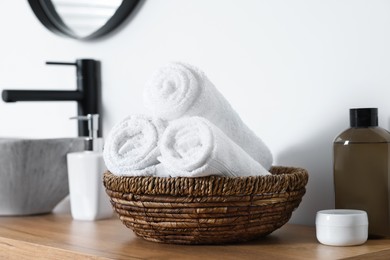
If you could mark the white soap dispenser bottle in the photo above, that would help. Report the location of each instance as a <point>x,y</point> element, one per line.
<point>88,200</point>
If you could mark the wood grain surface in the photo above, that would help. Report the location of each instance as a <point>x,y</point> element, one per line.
<point>58,236</point>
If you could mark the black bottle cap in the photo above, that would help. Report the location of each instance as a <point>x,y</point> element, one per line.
<point>363,117</point>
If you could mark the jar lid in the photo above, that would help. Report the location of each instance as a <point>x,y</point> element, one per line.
<point>341,218</point>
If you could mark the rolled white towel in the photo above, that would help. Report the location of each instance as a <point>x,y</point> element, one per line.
<point>178,90</point>
<point>194,147</point>
<point>131,147</point>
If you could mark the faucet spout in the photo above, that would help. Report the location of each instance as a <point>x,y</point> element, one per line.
<point>41,95</point>
<point>87,94</point>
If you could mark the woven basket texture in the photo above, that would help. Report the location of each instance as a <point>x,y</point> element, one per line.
<point>206,210</point>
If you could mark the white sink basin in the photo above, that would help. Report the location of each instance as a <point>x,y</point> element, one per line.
<point>33,174</point>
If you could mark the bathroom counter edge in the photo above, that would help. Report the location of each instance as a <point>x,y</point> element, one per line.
<point>61,237</point>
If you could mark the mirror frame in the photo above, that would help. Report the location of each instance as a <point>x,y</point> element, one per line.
<point>47,15</point>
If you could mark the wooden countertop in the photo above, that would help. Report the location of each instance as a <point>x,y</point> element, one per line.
<point>57,236</point>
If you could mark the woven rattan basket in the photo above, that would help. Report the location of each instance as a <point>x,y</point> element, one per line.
<point>206,210</point>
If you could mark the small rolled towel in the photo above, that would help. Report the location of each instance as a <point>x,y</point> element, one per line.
<point>194,147</point>
<point>131,147</point>
<point>179,90</point>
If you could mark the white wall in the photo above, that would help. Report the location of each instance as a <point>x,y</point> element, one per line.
<point>291,69</point>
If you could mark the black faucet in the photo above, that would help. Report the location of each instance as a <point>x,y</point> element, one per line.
<point>87,93</point>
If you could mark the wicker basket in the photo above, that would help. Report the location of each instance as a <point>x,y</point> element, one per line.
<point>206,210</point>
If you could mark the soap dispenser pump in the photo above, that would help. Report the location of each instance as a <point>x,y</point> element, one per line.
<point>88,200</point>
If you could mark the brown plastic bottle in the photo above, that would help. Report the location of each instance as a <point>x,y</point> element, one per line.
<point>362,170</point>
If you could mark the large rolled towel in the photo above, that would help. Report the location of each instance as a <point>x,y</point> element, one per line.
<point>178,90</point>
<point>131,147</point>
<point>194,147</point>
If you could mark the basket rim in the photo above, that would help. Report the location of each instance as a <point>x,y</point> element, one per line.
<point>282,179</point>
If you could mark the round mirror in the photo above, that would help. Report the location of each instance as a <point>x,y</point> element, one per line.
<point>82,19</point>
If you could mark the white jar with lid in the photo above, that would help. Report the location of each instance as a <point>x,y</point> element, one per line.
<point>342,227</point>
